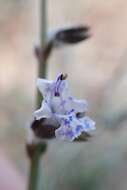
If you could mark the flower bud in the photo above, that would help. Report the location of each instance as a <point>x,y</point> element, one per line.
<point>42,129</point>
<point>71,35</point>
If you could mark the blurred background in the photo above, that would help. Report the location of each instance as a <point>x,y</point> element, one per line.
<point>97,72</point>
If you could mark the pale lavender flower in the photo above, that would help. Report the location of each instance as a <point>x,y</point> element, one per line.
<point>72,127</point>
<point>61,109</point>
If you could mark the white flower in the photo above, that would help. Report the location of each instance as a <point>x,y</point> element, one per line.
<point>59,107</point>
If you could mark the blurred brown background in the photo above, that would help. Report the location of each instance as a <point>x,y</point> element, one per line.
<point>96,68</point>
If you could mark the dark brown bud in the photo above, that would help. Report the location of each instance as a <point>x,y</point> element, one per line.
<point>43,130</point>
<point>72,35</point>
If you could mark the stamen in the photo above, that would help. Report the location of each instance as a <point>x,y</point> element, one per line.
<point>58,83</point>
<point>63,76</point>
<point>57,94</point>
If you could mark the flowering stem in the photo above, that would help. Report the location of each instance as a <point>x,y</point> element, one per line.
<point>43,30</point>
<point>35,159</point>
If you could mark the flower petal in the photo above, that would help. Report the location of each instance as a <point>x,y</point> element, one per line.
<point>44,86</point>
<point>65,134</point>
<point>64,89</point>
<point>43,112</point>
<point>56,105</point>
<point>88,124</point>
<point>70,127</point>
<point>79,106</point>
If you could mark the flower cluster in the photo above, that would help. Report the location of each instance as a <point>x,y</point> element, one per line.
<point>62,110</point>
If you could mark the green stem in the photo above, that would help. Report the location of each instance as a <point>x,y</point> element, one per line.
<point>35,160</point>
<point>42,66</point>
<point>38,150</point>
<point>34,171</point>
